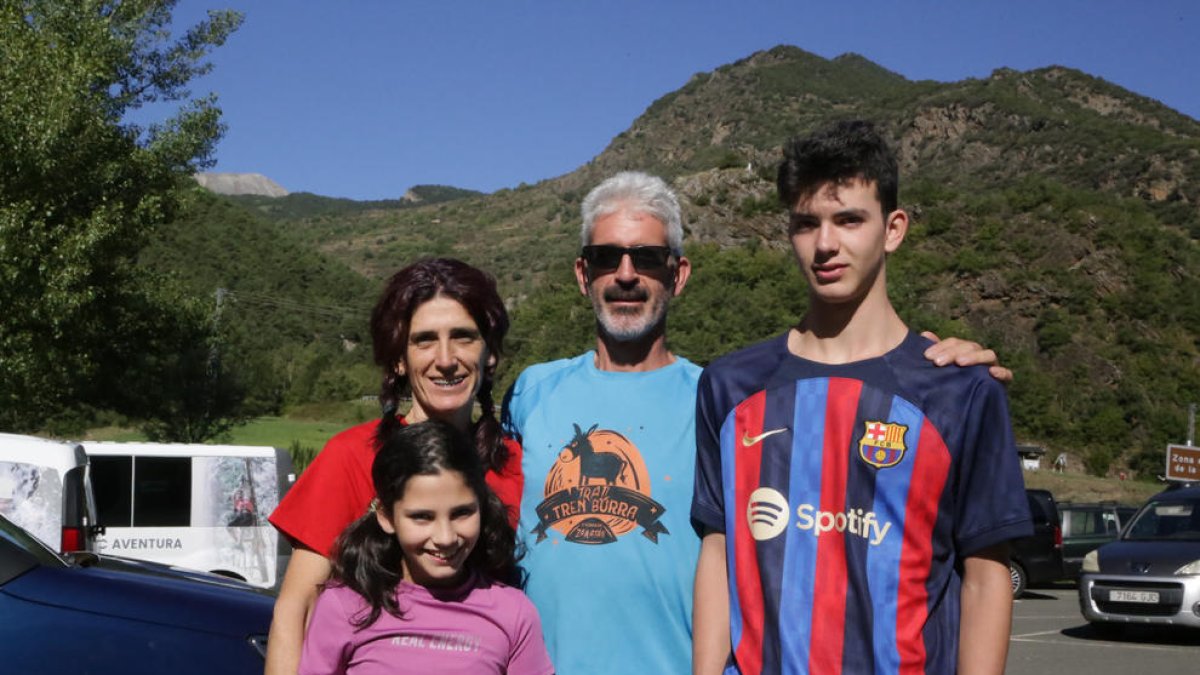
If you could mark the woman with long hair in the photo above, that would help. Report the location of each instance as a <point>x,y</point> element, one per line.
<point>437,332</point>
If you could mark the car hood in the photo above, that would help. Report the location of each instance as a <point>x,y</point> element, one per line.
<point>1151,558</point>
<point>126,592</point>
<point>131,565</point>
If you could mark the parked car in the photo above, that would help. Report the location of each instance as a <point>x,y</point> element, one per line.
<point>1151,574</point>
<point>1088,526</point>
<point>86,613</point>
<point>1037,559</point>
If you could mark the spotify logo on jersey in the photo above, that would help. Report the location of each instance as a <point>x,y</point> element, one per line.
<point>767,513</point>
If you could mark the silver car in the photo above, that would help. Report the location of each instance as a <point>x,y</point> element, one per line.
<point>1151,574</point>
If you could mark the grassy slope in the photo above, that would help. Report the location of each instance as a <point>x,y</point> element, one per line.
<point>280,432</point>
<point>1083,488</point>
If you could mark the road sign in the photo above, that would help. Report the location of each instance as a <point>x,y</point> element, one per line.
<point>1183,462</point>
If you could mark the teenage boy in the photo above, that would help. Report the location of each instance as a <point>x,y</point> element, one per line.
<point>855,500</point>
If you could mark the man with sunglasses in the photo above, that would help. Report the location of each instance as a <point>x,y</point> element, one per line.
<point>609,452</point>
<point>609,449</point>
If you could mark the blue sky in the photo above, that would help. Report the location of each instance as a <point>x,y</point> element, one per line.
<point>365,98</point>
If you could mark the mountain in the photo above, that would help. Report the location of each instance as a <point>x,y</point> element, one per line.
<point>1054,217</point>
<point>1071,128</point>
<point>301,205</point>
<point>240,184</point>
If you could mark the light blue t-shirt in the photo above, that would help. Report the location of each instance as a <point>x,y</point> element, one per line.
<point>609,461</point>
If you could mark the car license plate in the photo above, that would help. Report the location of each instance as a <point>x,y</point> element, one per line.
<point>1145,597</point>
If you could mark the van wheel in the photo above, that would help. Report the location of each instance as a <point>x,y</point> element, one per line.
<point>1019,579</point>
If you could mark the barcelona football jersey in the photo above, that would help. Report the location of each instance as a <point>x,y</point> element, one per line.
<point>849,495</point>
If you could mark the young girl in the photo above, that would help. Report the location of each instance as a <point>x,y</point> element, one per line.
<point>419,584</point>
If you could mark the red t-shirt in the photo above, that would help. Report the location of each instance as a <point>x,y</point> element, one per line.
<point>336,489</point>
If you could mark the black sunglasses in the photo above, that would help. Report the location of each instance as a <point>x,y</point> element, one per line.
<point>608,257</point>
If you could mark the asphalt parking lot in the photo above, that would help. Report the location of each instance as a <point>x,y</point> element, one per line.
<point>1051,636</point>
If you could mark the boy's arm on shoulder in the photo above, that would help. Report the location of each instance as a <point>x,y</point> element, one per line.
<point>961,352</point>
<point>986,620</point>
<point>710,611</point>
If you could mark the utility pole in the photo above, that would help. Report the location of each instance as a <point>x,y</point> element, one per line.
<point>1191,425</point>
<point>214,355</point>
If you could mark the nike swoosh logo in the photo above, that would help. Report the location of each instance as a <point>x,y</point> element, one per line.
<point>748,441</point>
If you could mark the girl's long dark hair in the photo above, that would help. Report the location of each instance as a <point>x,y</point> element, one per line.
<point>391,318</point>
<point>370,562</point>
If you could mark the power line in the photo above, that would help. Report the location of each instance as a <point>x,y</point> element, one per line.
<point>324,311</point>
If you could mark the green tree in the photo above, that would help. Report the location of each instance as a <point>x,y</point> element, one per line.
<point>82,189</point>
<point>183,387</point>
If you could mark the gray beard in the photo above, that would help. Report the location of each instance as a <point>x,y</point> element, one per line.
<point>611,324</point>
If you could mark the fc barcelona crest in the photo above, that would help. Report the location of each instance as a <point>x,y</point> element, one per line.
<point>882,444</point>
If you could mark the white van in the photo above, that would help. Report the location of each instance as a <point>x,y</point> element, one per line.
<point>202,507</point>
<point>45,488</point>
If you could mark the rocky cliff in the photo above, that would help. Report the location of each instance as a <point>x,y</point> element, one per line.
<point>240,184</point>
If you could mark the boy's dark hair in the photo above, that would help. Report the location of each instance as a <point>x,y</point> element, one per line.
<point>839,153</point>
<point>369,561</point>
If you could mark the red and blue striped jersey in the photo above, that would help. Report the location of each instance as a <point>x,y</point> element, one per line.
<point>849,495</point>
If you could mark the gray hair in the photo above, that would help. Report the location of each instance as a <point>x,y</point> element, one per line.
<point>641,193</point>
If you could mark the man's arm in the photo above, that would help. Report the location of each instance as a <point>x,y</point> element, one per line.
<point>965,353</point>
<point>710,611</point>
<point>986,621</point>
<point>305,572</point>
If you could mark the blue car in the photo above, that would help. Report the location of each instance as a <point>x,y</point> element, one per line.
<point>85,613</point>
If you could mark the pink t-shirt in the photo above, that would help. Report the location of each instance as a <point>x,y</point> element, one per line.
<point>474,629</point>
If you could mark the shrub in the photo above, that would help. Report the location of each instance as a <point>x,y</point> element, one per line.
<point>302,456</point>
<point>1098,461</point>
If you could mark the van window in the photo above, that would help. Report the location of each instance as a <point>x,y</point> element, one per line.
<point>1085,523</point>
<point>1167,520</point>
<point>1110,523</point>
<point>1041,507</point>
<point>160,489</point>
<point>112,481</point>
<point>32,497</point>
